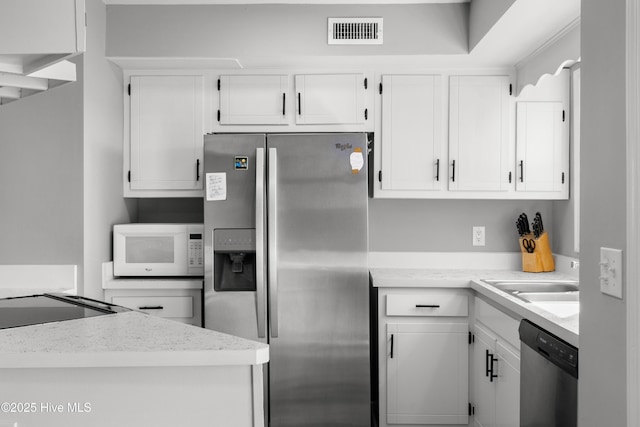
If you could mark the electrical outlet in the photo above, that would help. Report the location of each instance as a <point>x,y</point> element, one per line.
<point>611,272</point>
<point>478,236</point>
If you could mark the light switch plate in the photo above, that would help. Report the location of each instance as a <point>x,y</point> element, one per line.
<point>611,273</point>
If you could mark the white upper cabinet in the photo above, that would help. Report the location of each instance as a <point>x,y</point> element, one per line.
<point>542,138</point>
<point>479,133</point>
<point>330,99</point>
<point>412,139</point>
<point>542,154</point>
<point>254,99</point>
<point>166,137</point>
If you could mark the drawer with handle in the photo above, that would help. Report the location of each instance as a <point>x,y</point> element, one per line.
<point>432,304</point>
<point>169,306</point>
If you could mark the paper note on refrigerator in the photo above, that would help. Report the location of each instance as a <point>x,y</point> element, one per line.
<point>216,186</point>
<point>357,160</point>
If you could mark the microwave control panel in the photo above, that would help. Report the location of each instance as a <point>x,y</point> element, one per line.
<point>195,248</point>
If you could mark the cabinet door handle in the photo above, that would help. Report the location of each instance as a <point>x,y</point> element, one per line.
<point>151,307</point>
<point>437,169</point>
<point>299,104</point>
<point>492,374</point>
<point>284,97</point>
<point>486,363</point>
<point>392,346</point>
<point>453,177</point>
<point>521,171</point>
<point>427,305</point>
<point>198,170</point>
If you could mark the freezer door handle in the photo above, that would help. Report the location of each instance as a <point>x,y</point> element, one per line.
<point>272,194</point>
<point>260,270</point>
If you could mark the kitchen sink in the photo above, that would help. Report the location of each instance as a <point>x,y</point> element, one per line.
<point>560,297</point>
<point>534,286</point>
<point>549,296</point>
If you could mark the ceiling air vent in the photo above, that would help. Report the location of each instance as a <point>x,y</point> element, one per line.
<point>355,31</point>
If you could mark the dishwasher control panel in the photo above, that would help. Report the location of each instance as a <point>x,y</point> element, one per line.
<point>552,348</point>
<point>555,349</point>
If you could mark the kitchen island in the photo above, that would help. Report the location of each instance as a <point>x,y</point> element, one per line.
<point>129,369</point>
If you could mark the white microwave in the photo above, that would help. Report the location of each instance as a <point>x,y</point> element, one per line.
<point>158,250</point>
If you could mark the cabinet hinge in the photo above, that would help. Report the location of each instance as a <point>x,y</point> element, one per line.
<point>380,88</point>
<point>129,176</point>
<point>366,83</point>
<point>218,115</point>
<point>563,115</point>
<point>218,84</point>
<point>380,176</point>
<point>510,89</point>
<point>563,177</point>
<point>366,113</point>
<point>472,409</point>
<point>129,89</point>
<point>472,338</point>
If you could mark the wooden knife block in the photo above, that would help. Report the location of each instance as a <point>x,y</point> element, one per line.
<point>541,259</point>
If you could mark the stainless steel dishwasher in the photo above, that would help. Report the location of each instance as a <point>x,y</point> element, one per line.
<point>549,379</point>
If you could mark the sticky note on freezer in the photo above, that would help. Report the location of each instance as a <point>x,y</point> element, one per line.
<point>216,186</point>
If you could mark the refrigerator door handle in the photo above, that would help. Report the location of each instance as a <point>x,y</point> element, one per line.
<point>272,195</point>
<point>260,234</point>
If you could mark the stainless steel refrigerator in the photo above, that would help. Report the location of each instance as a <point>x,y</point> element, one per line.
<point>286,264</point>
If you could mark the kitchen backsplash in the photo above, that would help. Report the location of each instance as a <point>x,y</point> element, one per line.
<point>446,225</point>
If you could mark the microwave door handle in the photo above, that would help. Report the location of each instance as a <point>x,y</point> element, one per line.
<point>273,240</point>
<point>260,234</point>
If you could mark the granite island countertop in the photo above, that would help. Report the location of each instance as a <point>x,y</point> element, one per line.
<point>124,340</point>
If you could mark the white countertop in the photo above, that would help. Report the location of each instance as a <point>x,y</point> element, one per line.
<point>448,278</point>
<point>111,282</point>
<point>124,340</point>
<point>566,328</point>
<point>465,271</point>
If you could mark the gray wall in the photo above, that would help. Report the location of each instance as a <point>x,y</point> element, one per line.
<point>41,188</point>
<point>279,30</point>
<point>483,16</point>
<point>103,130</point>
<point>602,385</point>
<point>171,210</point>
<point>446,225</point>
<point>564,211</point>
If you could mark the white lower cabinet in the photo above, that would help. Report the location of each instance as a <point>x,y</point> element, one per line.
<point>423,357</point>
<point>182,305</point>
<point>495,369</point>
<point>427,373</point>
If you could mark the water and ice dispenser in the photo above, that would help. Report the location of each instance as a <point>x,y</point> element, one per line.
<point>234,252</point>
